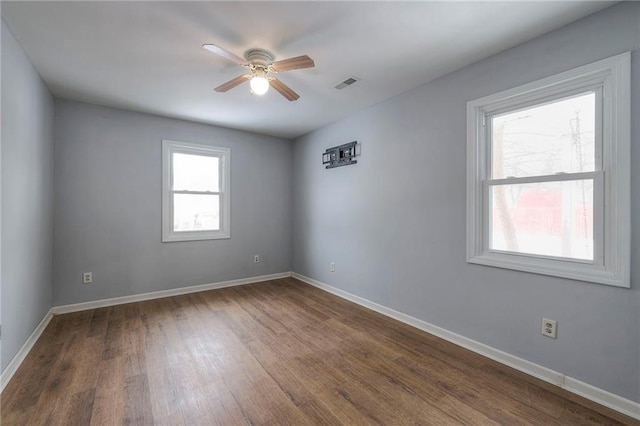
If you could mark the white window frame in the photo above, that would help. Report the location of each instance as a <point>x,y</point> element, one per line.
<point>170,147</point>
<point>612,182</point>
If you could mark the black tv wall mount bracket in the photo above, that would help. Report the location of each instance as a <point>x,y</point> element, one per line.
<point>341,155</point>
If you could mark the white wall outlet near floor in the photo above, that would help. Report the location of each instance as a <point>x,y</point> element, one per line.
<point>549,328</point>
<point>332,267</point>
<point>87,277</point>
<point>256,258</point>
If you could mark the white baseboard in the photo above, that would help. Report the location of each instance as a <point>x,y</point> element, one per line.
<point>76,307</point>
<point>602,397</point>
<point>15,363</point>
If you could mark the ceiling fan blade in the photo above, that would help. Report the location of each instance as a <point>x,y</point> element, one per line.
<point>232,83</point>
<point>224,53</point>
<point>293,63</point>
<point>283,89</point>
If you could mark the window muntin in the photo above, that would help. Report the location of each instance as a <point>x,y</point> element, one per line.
<point>195,192</point>
<point>568,201</point>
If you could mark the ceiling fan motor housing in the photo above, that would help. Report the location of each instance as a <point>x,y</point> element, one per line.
<point>259,57</point>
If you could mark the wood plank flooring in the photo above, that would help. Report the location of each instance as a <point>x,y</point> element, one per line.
<point>279,352</point>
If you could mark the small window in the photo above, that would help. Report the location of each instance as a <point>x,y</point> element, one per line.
<point>195,195</point>
<point>548,180</point>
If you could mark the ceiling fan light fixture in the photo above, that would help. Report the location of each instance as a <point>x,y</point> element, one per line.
<point>260,63</point>
<point>259,83</point>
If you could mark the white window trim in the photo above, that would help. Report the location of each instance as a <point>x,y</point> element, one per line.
<point>224,154</point>
<point>613,74</point>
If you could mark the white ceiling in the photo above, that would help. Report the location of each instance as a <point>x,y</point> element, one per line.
<point>146,56</point>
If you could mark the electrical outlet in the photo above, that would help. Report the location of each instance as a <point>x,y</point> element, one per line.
<point>256,258</point>
<point>87,277</point>
<point>549,328</point>
<point>332,267</point>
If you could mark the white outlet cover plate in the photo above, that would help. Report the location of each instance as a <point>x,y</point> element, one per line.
<point>549,328</point>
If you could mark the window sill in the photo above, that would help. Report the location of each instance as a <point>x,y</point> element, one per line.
<point>195,236</point>
<point>563,269</point>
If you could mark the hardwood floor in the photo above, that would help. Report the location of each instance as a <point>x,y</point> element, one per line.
<point>279,352</point>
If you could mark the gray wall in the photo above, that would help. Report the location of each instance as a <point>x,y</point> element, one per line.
<point>108,205</point>
<point>27,197</point>
<point>395,222</point>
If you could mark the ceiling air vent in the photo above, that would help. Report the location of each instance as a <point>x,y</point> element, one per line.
<point>347,82</point>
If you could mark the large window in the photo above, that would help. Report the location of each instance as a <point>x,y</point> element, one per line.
<point>195,197</point>
<point>548,180</point>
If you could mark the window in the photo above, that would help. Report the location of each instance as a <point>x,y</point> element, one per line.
<point>549,175</point>
<point>195,193</point>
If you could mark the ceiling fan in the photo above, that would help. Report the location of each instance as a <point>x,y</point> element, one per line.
<point>260,64</point>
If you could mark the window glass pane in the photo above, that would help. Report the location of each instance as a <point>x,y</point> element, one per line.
<point>548,218</point>
<point>195,172</point>
<point>195,212</point>
<point>544,140</point>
